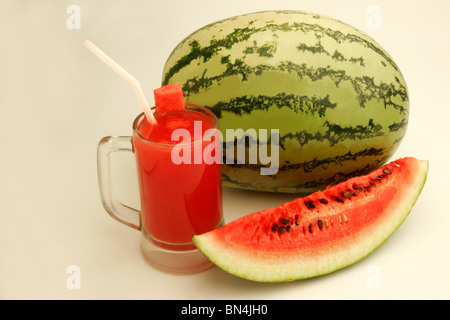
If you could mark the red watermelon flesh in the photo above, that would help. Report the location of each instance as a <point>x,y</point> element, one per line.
<point>321,233</point>
<point>169,98</point>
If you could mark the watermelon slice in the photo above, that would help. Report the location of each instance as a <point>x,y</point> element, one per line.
<point>169,98</point>
<point>321,233</point>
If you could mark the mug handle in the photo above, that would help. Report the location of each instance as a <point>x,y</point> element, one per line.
<point>116,209</point>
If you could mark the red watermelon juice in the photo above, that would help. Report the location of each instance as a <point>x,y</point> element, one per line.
<point>178,199</point>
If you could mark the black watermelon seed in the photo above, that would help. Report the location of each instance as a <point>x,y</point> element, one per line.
<point>281,229</point>
<point>357,187</point>
<point>320,223</point>
<point>288,228</point>
<point>310,228</point>
<point>311,204</point>
<point>323,200</point>
<point>275,227</point>
<point>339,199</point>
<point>347,194</point>
<point>377,180</point>
<point>285,220</point>
<point>381,176</point>
<point>387,171</point>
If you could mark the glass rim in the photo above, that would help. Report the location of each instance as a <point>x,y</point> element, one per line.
<point>212,132</point>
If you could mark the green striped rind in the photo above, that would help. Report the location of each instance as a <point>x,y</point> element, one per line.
<point>330,89</point>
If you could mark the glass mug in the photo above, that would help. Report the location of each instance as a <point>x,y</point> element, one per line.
<point>177,199</point>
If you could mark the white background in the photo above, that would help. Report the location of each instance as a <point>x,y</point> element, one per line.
<point>57,101</point>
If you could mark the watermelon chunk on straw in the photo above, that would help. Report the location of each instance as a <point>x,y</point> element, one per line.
<point>169,98</point>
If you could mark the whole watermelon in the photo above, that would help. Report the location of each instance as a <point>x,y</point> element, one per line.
<point>338,99</point>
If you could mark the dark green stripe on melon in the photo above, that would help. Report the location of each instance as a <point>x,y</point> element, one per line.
<point>317,184</point>
<point>300,104</point>
<point>336,133</point>
<point>309,166</point>
<point>364,87</point>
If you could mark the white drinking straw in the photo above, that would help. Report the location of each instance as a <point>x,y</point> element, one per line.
<point>124,74</point>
